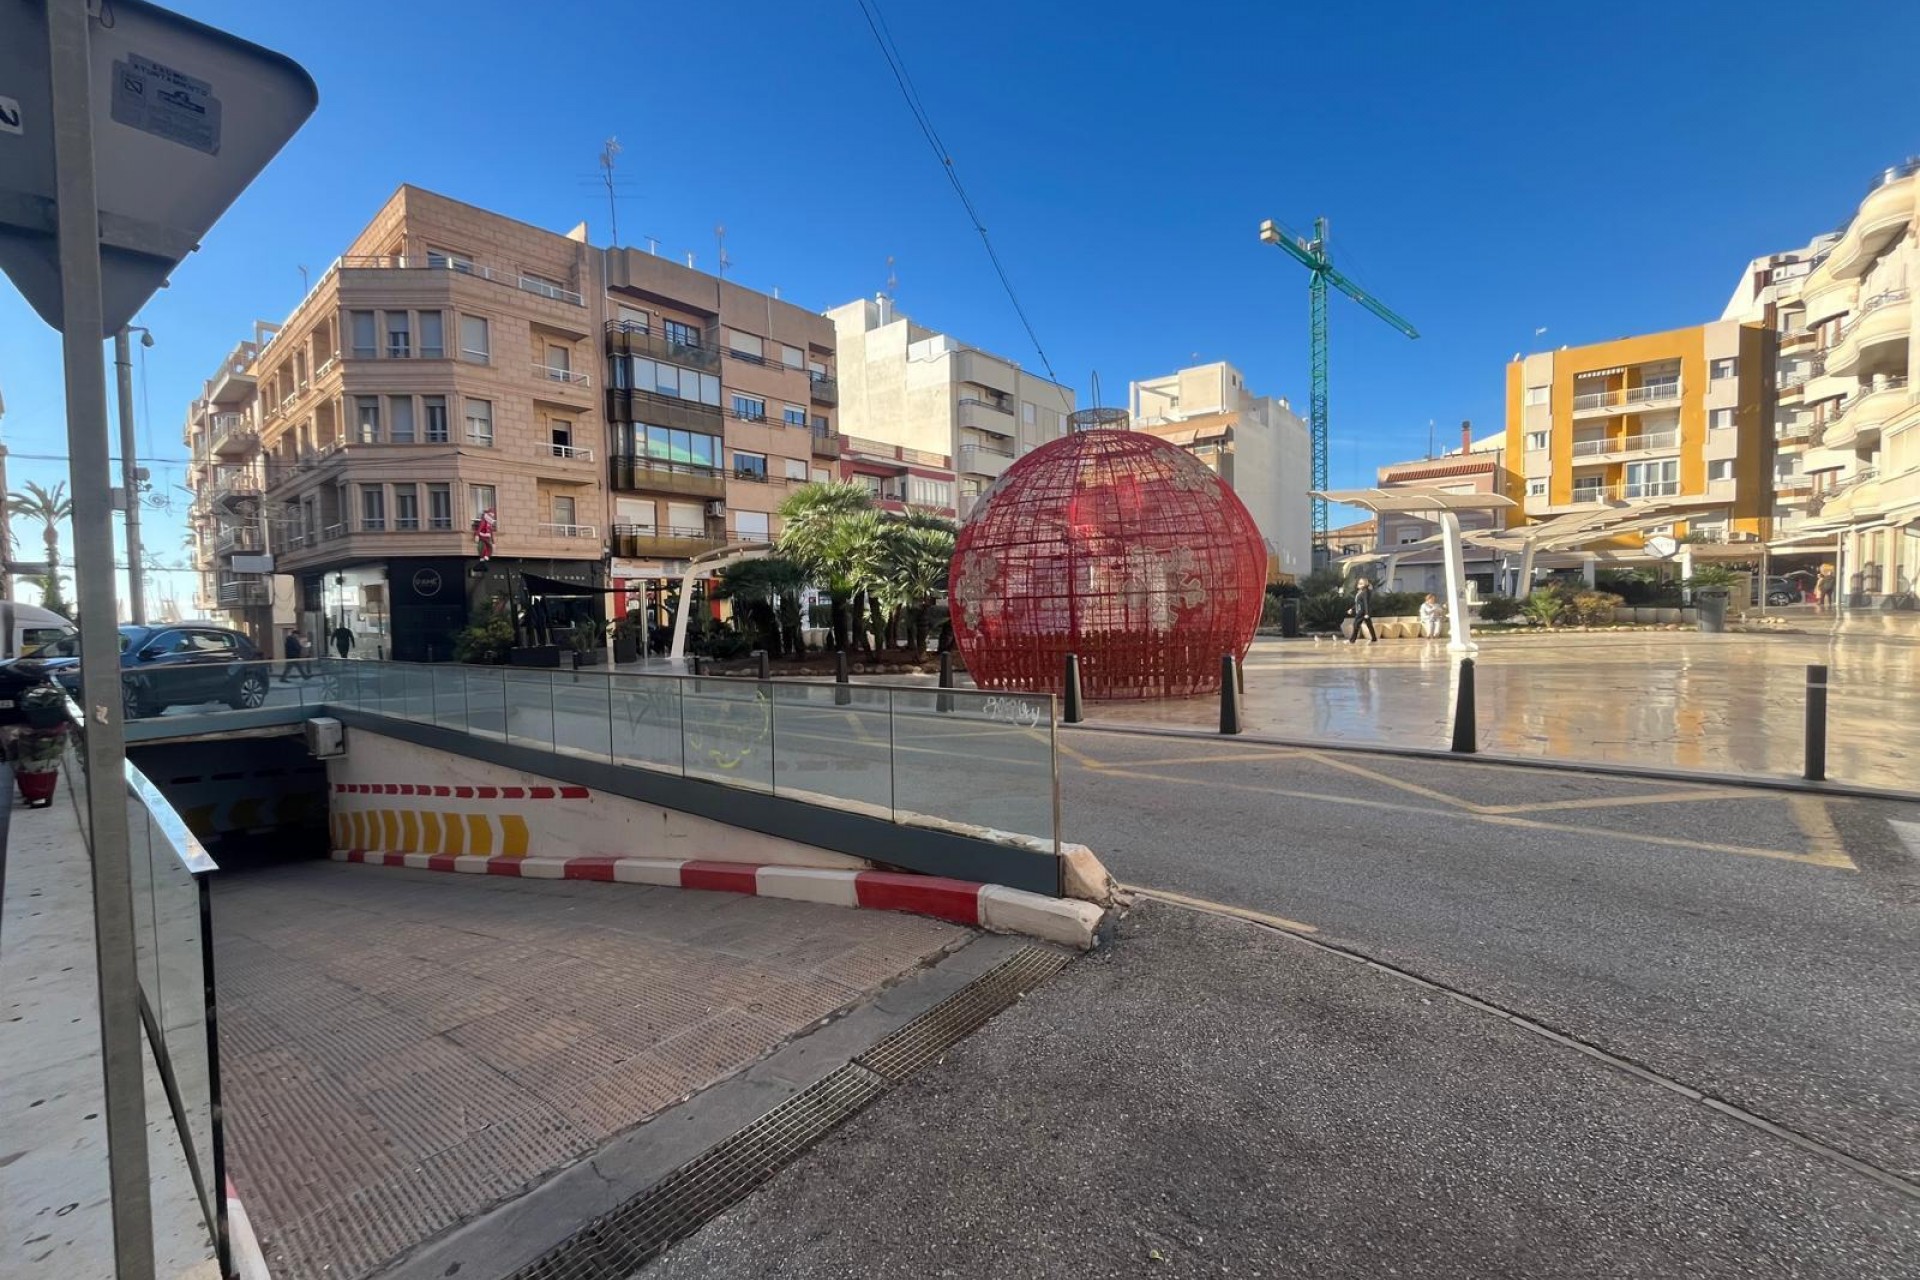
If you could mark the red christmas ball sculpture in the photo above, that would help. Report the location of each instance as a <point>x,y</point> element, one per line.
<point>1114,545</point>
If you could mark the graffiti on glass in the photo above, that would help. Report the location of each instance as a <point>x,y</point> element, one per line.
<point>1013,711</point>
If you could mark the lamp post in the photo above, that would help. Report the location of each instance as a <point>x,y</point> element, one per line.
<point>130,468</point>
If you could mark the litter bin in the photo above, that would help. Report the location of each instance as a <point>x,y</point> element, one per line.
<point>1290,617</point>
<point>1712,606</point>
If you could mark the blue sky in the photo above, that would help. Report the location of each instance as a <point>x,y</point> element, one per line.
<point>1488,169</point>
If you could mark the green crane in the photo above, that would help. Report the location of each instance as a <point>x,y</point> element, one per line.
<point>1312,254</point>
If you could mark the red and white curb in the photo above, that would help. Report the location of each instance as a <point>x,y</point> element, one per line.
<point>249,1263</point>
<point>1068,921</point>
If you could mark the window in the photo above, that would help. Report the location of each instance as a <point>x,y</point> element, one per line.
<point>686,519</point>
<point>475,342</point>
<point>544,287</point>
<point>433,336</point>
<point>373,507</point>
<point>1720,469</point>
<point>399,336</point>
<point>632,316</point>
<point>923,492</point>
<point>746,346</point>
<point>363,328</point>
<point>675,447</point>
<point>450,259</point>
<point>820,427</point>
<point>559,362</point>
<point>1027,412</point>
<point>822,476</point>
<point>657,377</point>
<point>792,357</point>
<point>1538,439</point>
<point>406,507</point>
<point>366,419</point>
<point>435,408</point>
<point>793,415</point>
<point>560,436</point>
<point>750,524</point>
<point>634,513</point>
<point>1538,395</point>
<point>680,335</point>
<point>439,506</point>
<point>563,510</point>
<point>400,419</point>
<point>1720,419</point>
<point>796,469</point>
<point>481,497</point>
<point>1536,488</point>
<point>210,642</point>
<point>1726,367</point>
<point>1653,479</point>
<point>480,422</point>
<point>749,466</point>
<point>751,408</point>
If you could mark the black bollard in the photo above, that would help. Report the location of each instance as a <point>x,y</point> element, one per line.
<point>842,693</point>
<point>945,700</point>
<point>1229,694</point>
<point>1070,710</point>
<point>766,664</point>
<point>695,660</point>
<point>1816,770</point>
<point>1465,732</point>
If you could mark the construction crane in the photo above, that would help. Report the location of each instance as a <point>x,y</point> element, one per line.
<point>1312,254</point>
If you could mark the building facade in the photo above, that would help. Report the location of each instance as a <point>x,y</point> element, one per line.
<point>1675,423</point>
<point>1477,466</point>
<point>1257,444</point>
<point>920,410</point>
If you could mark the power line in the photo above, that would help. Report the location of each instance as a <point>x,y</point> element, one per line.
<point>897,64</point>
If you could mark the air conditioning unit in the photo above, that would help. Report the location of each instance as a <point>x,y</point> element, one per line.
<point>326,738</point>
<point>717,507</point>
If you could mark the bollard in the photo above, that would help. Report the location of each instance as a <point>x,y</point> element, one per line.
<point>842,694</point>
<point>695,661</point>
<point>945,701</point>
<point>766,664</point>
<point>1465,733</point>
<point>1229,694</point>
<point>1816,770</point>
<point>1070,711</point>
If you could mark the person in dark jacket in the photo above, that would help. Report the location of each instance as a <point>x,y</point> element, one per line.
<point>343,641</point>
<point>1362,612</point>
<point>296,655</point>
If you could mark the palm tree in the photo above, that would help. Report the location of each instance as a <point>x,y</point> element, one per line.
<point>915,572</point>
<point>51,507</point>
<point>821,530</point>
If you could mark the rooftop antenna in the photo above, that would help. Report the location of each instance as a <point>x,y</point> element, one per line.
<point>720,239</point>
<point>893,278</point>
<point>689,259</point>
<point>653,245</point>
<point>609,150</point>
<point>1429,437</point>
<point>303,281</point>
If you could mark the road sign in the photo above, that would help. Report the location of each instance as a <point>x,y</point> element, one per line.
<point>184,117</point>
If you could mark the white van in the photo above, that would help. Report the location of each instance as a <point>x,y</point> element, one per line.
<point>25,627</point>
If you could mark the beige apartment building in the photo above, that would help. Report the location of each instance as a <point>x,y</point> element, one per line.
<point>232,537</point>
<point>928,421</point>
<point>1257,444</point>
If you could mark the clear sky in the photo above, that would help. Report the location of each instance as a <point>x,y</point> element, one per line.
<point>1489,169</point>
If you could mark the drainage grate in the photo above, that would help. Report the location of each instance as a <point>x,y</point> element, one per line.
<point>618,1244</point>
<point>953,1019</point>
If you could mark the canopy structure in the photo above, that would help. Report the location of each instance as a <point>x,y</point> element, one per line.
<point>1445,508</point>
<point>704,565</point>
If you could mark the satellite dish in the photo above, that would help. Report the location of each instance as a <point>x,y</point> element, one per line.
<point>1662,546</point>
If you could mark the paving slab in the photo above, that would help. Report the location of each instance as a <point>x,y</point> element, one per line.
<point>404,1050</point>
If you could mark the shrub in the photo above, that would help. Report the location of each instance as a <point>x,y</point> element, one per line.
<point>1323,582</point>
<point>1591,608</point>
<point>1545,606</point>
<point>1711,577</point>
<point>486,641</point>
<point>1270,610</point>
<point>1323,612</point>
<point>1397,604</point>
<point>1498,608</point>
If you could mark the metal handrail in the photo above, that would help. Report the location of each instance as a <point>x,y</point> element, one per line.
<point>556,373</point>
<point>1627,444</point>
<point>573,452</point>
<point>1628,395</point>
<point>458,266</point>
<point>566,530</point>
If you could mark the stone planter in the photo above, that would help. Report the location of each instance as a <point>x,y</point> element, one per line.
<point>1667,615</point>
<point>1624,615</point>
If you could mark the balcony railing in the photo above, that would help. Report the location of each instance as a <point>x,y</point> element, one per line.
<point>560,373</point>
<point>663,540</point>
<point>1641,443</point>
<point>634,472</point>
<point>1621,397</point>
<point>566,452</point>
<point>243,594</point>
<point>822,390</point>
<point>461,266</point>
<point>632,337</point>
<point>333,532</point>
<point>1884,299</point>
<point>1795,483</point>
<point>624,405</point>
<point>550,530</point>
<point>1627,490</point>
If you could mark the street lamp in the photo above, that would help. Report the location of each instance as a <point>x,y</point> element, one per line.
<point>130,467</point>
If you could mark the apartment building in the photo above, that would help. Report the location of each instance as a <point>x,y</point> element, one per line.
<point>1477,466</point>
<point>436,371</point>
<point>1676,423</point>
<point>720,401</point>
<point>928,421</point>
<point>1257,444</point>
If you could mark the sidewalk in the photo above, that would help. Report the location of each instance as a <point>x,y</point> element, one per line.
<point>53,1155</point>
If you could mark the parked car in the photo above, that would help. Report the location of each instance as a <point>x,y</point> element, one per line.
<point>1780,591</point>
<point>165,666</point>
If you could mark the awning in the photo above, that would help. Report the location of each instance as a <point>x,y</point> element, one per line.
<point>540,584</point>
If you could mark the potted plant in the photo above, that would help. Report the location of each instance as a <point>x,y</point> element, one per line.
<point>35,751</point>
<point>627,634</point>
<point>1709,584</point>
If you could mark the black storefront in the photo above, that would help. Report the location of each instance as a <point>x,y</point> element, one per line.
<point>412,609</point>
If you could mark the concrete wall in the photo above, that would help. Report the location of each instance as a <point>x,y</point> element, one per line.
<point>506,811</point>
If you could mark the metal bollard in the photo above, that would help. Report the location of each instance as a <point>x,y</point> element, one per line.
<point>694,664</point>
<point>945,701</point>
<point>1816,770</point>
<point>766,664</point>
<point>1465,733</point>
<point>1070,710</point>
<point>1229,694</point>
<point>842,694</point>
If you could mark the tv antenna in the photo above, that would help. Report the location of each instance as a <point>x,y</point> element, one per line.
<point>720,241</point>
<point>608,151</point>
<point>893,278</point>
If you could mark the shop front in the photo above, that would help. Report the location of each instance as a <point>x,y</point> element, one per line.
<point>413,609</point>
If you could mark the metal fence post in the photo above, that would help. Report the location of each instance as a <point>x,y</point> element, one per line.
<point>1072,700</point>
<point>1816,770</point>
<point>766,663</point>
<point>944,702</point>
<point>842,695</point>
<point>1465,732</point>
<point>1229,694</point>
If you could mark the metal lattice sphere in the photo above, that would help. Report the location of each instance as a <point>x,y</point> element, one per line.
<point>1114,545</point>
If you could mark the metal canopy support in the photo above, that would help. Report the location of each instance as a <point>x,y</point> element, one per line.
<point>710,563</point>
<point>122,1061</point>
<point>1460,626</point>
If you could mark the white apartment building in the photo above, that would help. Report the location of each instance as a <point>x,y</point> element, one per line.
<point>1257,444</point>
<point>922,399</point>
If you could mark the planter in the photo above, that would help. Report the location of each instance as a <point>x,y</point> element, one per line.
<point>625,649</point>
<point>1666,615</point>
<point>539,655</point>
<point>37,788</point>
<point>1625,615</point>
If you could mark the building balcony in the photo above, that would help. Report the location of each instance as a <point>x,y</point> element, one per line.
<point>1862,414</point>
<point>245,595</point>
<point>624,405</point>
<point>243,539</point>
<point>568,532</point>
<point>560,378</point>
<point>1644,442</point>
<point>572,462</point>
<point>826,444</point>
<point>235,482</point>
<point>1882,321</point>
<point>235,383</point>
<point>1623,491</point>
<point>987,371</point>
<point>1826,295</point>
<point>456,266</point>
<point>879,451</point>
<point>640,474</point>
<point>985,415</point>
<point>233,436</point>
<point>632,338</point>
<point>1626,399</point>
<point>1887,210</point>
<point>976,461</point>
<point>632,541</point>
<point>822,390</point>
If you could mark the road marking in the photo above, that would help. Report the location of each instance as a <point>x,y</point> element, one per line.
<point>1218,908</point>
<point>1909,833</point>
<point>1414,788</point>
<point>1245,754</point>
<point>1608,802</point>
<point>1825,847</point>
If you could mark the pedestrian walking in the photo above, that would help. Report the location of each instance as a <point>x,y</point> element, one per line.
<point>1823,587</point>
<point>1432,617</point>
<point>1362,612</point>
<point>343,639</point>
<point>295,651</point>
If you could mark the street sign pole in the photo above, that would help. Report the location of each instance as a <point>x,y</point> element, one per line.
<point>122,1062</point>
